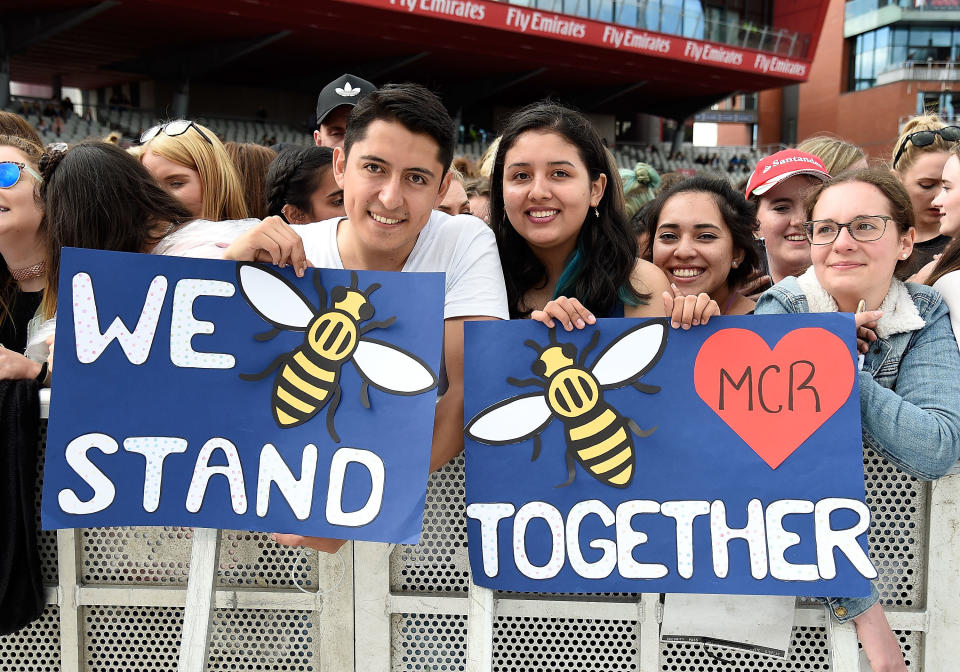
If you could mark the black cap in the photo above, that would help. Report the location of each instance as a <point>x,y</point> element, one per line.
<point>345,90</point>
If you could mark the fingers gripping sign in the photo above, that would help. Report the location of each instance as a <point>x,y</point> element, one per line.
<point>569,312</point>
<point>866,328</point>
<point>271,241</point>
<point>687,311</point>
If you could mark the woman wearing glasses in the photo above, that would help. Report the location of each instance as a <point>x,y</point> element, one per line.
<point>191,164</point>
<point>862,226</point>
<point>917,161</point>
<point>22,246</point>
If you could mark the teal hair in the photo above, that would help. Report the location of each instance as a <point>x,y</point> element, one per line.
<point>572,271</point>
<point>639,187</point>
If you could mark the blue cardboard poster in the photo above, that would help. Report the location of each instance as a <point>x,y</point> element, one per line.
<point>632,457</point>
<point>224,395</point>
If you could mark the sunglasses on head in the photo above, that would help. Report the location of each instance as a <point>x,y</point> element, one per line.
<point>926,138</point>
<point>172,128</point>
<point>10,173</point>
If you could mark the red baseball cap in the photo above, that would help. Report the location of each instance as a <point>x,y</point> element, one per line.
<point>774,169</point>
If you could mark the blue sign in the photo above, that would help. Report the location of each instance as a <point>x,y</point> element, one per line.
<point>225,395</point>
<point>631,457</point>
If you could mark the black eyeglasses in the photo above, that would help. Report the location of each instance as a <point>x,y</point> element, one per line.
<point>172,128</point>
<point>925,138</point>
<point>864,229</point>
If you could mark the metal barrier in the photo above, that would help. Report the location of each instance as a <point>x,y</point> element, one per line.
<point>116,599</point>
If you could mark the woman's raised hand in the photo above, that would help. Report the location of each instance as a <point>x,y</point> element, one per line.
<point>687,311</point>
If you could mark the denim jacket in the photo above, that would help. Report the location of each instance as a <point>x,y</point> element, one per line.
<point>909,383</point>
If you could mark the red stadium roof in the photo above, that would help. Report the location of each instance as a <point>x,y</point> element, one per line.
<point>476,52</point>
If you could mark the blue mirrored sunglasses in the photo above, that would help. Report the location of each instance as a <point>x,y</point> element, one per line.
<point>10,173</point>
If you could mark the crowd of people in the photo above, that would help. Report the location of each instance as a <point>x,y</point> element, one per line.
<point>545,227</point>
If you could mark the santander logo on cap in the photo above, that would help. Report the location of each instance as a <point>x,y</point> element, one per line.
<point>774,169</point>
<point>347,91</point>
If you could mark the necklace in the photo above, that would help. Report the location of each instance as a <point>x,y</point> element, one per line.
<point>29,272</point>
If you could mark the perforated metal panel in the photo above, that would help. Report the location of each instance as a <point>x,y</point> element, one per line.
<point>808,652</point>
<point>123,555</point>
<point>910,645</point>
<point>429,643</point>
<point>439,562</point>
<point>121,638</point>
<point>253,559</point>
<point>537,644</point>
<point>263,640</point>
<point>35,648</point>
<point>146,639</point>
<point>46,541</point>
<point>898,504</point>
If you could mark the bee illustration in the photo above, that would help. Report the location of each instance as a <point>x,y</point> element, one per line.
<point>309,376</point>
<point>598,436</point>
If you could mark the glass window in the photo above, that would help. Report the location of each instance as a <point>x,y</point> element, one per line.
<point>898,54</point>
<point>919,37</point>
<point>882,59</point>
<point>940,37</point>
<point>883,37</point>
<point>900,36</point>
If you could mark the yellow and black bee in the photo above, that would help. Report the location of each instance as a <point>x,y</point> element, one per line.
<point>309,376</point>
<point>598,436</point>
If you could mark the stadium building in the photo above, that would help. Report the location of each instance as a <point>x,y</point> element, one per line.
<point>878,63</point>
<point>252,70</point>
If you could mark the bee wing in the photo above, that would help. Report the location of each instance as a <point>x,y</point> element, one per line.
<point>631,355</point>
<point>388,368</point>
<point>273,297</point>
<point>511,420</point>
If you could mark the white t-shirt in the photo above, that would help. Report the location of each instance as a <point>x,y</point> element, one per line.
<point>202,238</point>
<point>462,247</point>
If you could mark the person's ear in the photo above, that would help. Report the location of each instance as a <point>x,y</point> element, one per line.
<point>444,186</point>
<point>339,165</point>
<point>597,187</point>
<point>295,215</point>
<point>906,243</point>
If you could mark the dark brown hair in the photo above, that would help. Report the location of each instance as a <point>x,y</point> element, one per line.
<point>99,197</point>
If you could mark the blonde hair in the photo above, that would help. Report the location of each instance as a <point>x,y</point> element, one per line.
<point>222,190</point>
<point>457,175</point>
<point>910,154</point>
<point>837,155</point>
<point>488,158</point>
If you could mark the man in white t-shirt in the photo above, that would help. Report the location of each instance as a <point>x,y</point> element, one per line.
<point>392,169</point>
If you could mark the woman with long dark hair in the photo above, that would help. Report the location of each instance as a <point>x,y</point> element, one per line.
<point>97,182</point>
<point>564,240</point>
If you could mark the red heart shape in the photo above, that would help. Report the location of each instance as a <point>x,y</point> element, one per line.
<point>774,399</point>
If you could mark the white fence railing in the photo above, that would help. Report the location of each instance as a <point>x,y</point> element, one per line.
<point>116,602</point>
<point>920,71</point>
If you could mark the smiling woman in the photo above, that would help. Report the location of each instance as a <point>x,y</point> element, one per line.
<point>702,233</point>
<point>22,247</point>
<point>862,225</point>
<point>559,230</point>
